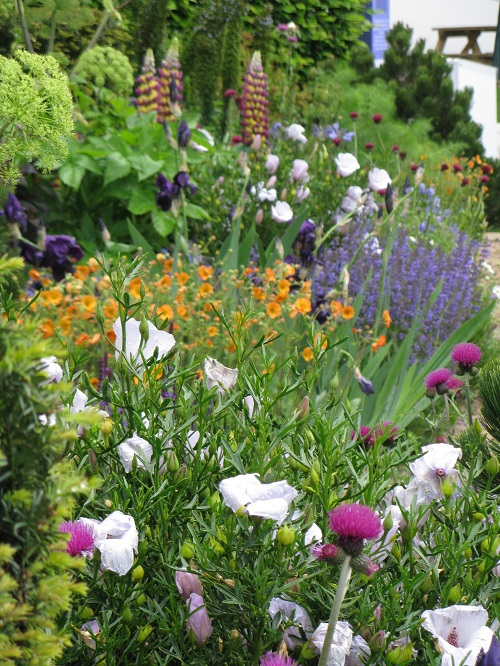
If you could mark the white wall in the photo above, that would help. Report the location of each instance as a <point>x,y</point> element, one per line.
<point>425,15</point>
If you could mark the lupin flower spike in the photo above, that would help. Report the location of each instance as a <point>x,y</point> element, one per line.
<point>254,101</point>
<point>146,85</point>
<point>170,68</point>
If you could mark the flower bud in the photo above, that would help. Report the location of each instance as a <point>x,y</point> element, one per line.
<point>286,535</point>
<point>448,487</point>
<point>144,633</point>
<point>187,584</point>
<point>187,550</point>
<point>127,615</point>
<point>259,216</point>
<point>173,464</point>
<point>144,328</point>
<point>198,624</point>
<point>455,594</point>
<point>138,573</point>
<point>492,467</point>
<point>377,642</point>
<point>303,411</point>
<point>106,427</point>
<point>401,655</point>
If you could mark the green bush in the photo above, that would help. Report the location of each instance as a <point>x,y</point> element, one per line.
<point>106,67</point>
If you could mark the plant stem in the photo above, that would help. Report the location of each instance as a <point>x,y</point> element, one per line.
<point>345,574</point>
<point>467,395</point>
<point>52,36</point>
<point>24,26</point>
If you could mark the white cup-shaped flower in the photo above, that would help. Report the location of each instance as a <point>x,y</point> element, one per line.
<point>291,613</point>
<point>265,500</point>
<point>267,194</point>
<point>296,133</point>
<point>313,535</point>
<point>117,540</point>
<point>135,447</point>
<point>219,375</point>
<point>272,164</point>
<point>436,465</point>
<point>135,345</point>
<point>344,646</point>
<point>299,170</point>
<point>460,631</point>
<point>347,164</point>
<point>281,212</point>
<point>378,179</point>
<point>302,194</point>
<point>51,368</point>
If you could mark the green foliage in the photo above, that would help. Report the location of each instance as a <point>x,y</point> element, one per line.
<point>45,16</point>
<point>37,492</point>
<point>35,113</point>
<point>106,67</point>
<point>492,197</point>
<point>423,87</point>
<point>489,393</point>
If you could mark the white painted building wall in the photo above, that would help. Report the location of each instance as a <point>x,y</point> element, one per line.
<point>425,15</point>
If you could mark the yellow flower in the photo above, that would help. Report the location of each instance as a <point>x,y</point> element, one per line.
<point>205,272</point>
<point>205,289</point>
<point>387,318</point>
<point>348,312</point>
<point>89,303</point>
<point>259,294</point>
<point>165,312</point>
<point>273,309</point>
<point>212,331</point>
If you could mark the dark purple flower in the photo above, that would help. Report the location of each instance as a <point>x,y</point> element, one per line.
<point>181,179</point>
<point>325,552</point>
<point>14,212</point>
<point>365,435</point>
<point>389,204</point>
<point>369,145</point>
<point>168,191</point>
<point>492,657</point>
<point>454,384</point>
<point>377,118</point>
<point>59,254</point>
<point>184,133</point>
<point>354,115</point>
<point>387,431</point>
<point>437,377</point>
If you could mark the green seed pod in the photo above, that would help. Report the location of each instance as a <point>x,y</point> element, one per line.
<point>286,535</point>
<point>138,573</point>
<point>455,594</point>
<point>127,615</point>
<point>187,550</point>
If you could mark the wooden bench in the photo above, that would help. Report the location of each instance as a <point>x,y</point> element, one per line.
<point>471,50</point>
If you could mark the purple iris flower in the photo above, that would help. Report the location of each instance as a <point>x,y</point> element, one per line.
<point>58,254</point>
<point>168,191</point>
<point>184,133</point>
<point>181,179</point>
<point>14,212</point>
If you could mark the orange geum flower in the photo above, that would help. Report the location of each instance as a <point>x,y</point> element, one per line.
<point>303,305</point>
<point>307,354</point>
<point>387,318</point>
<point>47,328</point>
<point>273,309</point>
<point>270,276</point>
<point>111,310</point>
<point>289,270</point>
<point>258,293</point>
<point>89,303</point>
<point>284,287</point>
<point>111,335</point>
<point>64,324</point>
<point>94,339</point>
<point>168,264</point>
<point>34,274</point>
<point>182,278</point>
<point>54,297</point>
<point>93,264</point>
<point>381,341</point>
<point>205,272</point>
<point>205,289</point>
<point>336,308</point>
<point>182,312</point>
<point>81,339</point>
<point>165,312</point>
<point>165,281</point>
<point>212,331</point>
<point>348,312</point>
<point>81,272</point>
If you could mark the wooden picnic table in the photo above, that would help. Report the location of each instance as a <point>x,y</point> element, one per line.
<point>471,50</point>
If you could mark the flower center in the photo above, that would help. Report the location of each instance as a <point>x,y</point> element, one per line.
<point>440,472</point>
<point>453,637</point>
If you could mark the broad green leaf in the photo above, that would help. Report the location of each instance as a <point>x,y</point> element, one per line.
<point>246,247</point>
<point>163,222</point>
<point>71,174</point>
<point>196,212</point>
<point>145,166</point>
<point>138,239</point>
<point>141,201</point>
<point>117,167</point>
<point>88,163</point>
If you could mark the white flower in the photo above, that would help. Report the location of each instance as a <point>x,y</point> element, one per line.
<point>264,194</point>
<point>437,463</point>
<point>496,291</point>
<point>313,535</point>
<point>488,267</point>
<point>49,420</point>
<point>132,447</point>
<point>415,495</point>
<point>299,170</point>
<point>134,344</point>
<point>250,403</point>
<point>79,402</point>
<point>51,368</point>
<point>265,500</point>
<point>352,199</point>
<point>197,147</point>
<point>218,375</point>
<point>296,133</point>
<point>207,135</point>
<point>281,212</point>
<point>378,179</point>
<point>272,164</point>
<point>461,632</point>
<point>292,613</point>
<point>347,164</point>
<point>303,194</point>
<point>117,539</point>
<point>344,648</point>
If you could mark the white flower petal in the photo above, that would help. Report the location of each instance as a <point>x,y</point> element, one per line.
<point>466,621</point>
<point>313,535</point>
<point>79,402</point>
<point>272,509</point>
<point>117,555</point>
<point>378,179</point>
<point>52,369</point>
<point>132,447</point>
<point>299,616</point>
<point>219,375</point>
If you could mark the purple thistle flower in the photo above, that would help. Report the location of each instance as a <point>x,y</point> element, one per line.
<point>353,523</point>
<point>365,435</point>
<point>437,378</point>
<point>466,355</point>
<point>325,552</point>
<point>82,538</point>
<point>276,659</point>
<point>454,384</point>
